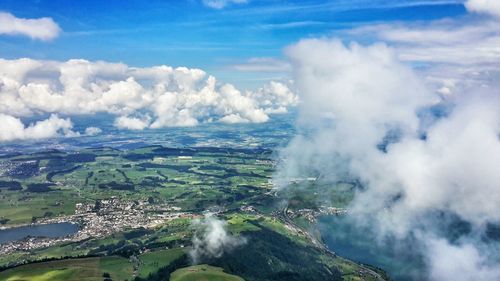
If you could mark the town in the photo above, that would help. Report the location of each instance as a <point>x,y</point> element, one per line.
<point>101,219</point>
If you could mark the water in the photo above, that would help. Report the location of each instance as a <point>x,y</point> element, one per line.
<point>54,230</point>
<point>399,259</point>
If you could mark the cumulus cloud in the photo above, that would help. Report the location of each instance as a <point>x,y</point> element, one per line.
<point>153,97</point>
<point>219,4</point>
<point>211,239</point>
<point>491,7</point>
<point>41,29</point>
<point>367,119</point>
<point>275,97</point>
<point>132,123</point>
<point>232,119</point>
<point>92,131</point>
<point>12,128</point>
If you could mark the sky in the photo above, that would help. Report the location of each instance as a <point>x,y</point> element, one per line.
<point>157,64</point>
<point>225,38</point>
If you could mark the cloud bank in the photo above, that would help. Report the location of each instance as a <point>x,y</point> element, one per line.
<point>40,29</point>
<point>367,117</point>
<point>140,98</point>
<point>211,239</point>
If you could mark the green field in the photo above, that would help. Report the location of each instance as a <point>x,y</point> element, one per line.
<point>85,269</point>
<point>202,273</point>
<point>209,177</point>
<point>238,223</point>
<point>270,250</point>
<point>234,182</point>
<point>151,262</point>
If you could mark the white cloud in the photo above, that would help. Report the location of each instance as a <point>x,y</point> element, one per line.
<point>219,4</point>
<point>12,128</point>
<point>244,105</point>
<point>211,239</point>
<point>169,96</point>
<point>491,7</point>
<point>463,49</point>
<point>92,131</point>
<point>275,97</point>
<point>455,53</point>
<point>132,123</point>
<point>459,262</point>
<point>443,41</point>
<point>233,119</point>
<point>352,97</point>
<point>41,29</point>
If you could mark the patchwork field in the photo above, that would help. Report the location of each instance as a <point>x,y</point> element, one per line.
<point>49,184</point>
<point>155,181</point>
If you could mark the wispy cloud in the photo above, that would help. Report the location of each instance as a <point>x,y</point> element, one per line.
<point>41,29</point>
<point>292,24</point>
<point>262,65</point>
<point>338,6</point>
<point>219,4</point>
<point>459,52</point>
<point>449,41</point>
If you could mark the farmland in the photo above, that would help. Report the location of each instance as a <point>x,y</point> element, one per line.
<point>135,209</point>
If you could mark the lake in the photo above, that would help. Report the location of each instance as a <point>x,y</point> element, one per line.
<point>53,230</point>
<point>400,260</point>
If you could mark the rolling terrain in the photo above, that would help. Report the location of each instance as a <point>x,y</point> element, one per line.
<point>136,208</point>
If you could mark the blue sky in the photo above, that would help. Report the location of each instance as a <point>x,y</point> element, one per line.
<point>188,33</point>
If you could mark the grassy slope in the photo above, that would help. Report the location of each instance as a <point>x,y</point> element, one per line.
<point>271,253</point>
<point>88,269</point>
<point>153,261</point>
<point>119,268</point>
<point>202,273</point>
